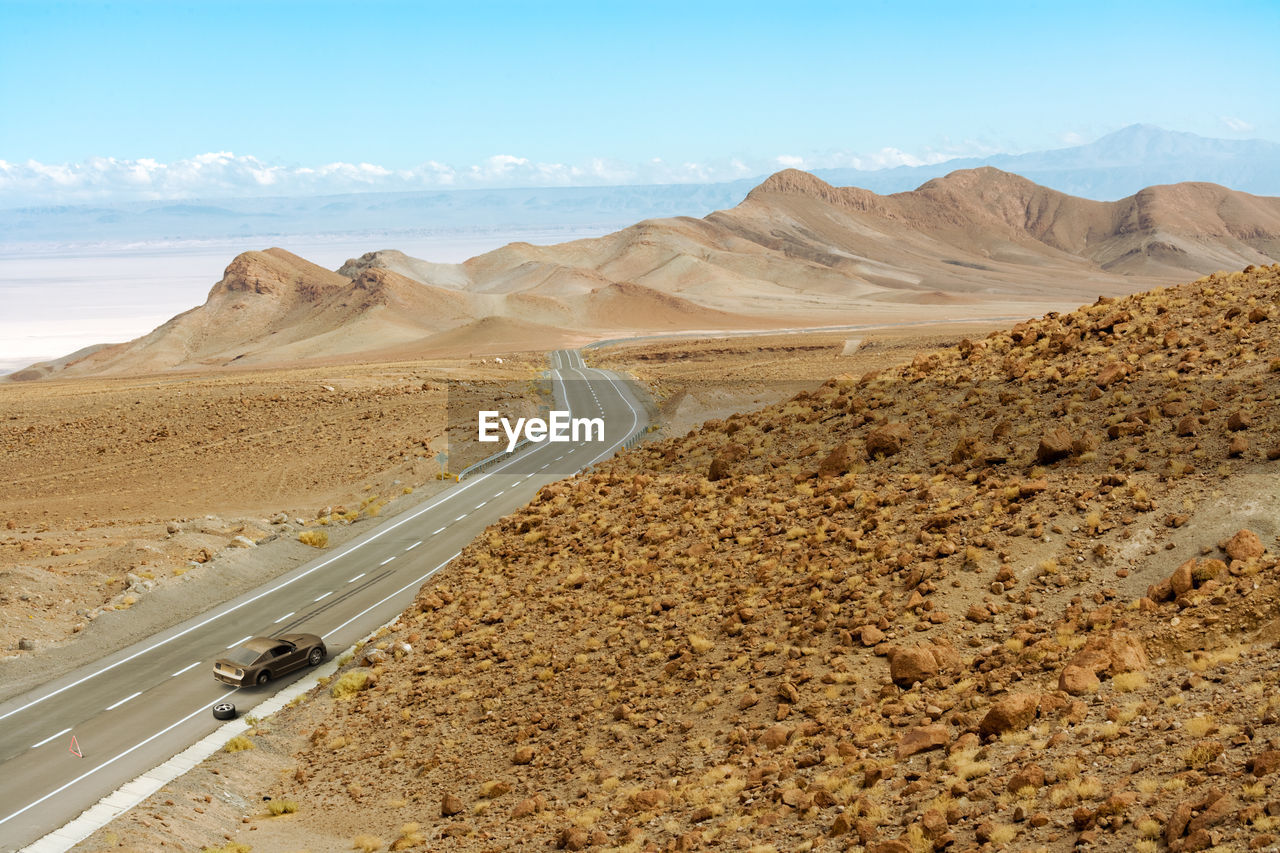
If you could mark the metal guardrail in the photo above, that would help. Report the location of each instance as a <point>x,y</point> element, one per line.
<point>490,461</point>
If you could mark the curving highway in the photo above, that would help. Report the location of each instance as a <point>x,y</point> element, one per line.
<point>135,708</point>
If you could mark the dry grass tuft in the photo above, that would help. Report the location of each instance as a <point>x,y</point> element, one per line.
<point>239,743</point>
<point>314,538</point>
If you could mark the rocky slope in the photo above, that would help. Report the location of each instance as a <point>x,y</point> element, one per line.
<point>796,252</point>
<point>1017,594</point>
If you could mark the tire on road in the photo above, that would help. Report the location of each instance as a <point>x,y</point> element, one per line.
<point>263,678</point>
<point>224,711</point>
<point>316,656</point>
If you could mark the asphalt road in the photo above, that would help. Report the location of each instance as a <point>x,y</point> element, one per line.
<point>135,708</point>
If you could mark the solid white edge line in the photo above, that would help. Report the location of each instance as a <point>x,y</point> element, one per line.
<point>50,737</point>
<point>326,595</point>
<point>388,560</point>
<point>355,546</point>
<point>122,701</point>
<point>357,577</point>
<point>185,668</point>
<point>241,640</point>
<point>110,761</point>
<point>414,545</point>
<point>419,581</point>
<point>284,617</point>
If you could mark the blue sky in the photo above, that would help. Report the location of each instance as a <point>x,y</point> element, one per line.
<point>210,98</point>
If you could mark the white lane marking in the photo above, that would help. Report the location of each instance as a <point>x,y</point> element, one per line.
<point>326,595</point>
<point>464,515</point>
<point>110,761</point>
<point>185,668</point>
<point>391,596</point>
<point>233,608</point>
<point>481,504</point>
<point>50,737</point>
<point>438,532</point>
<point>122,701</point>
<point>238,642</point>
<point>357,577</point>
<point>388,560</point>
<point>499,494</point>
<point>284,617</point>
<point>414,545</point>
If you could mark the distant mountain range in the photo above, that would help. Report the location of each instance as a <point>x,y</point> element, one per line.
<point>795,252</point>
<point>1115,166</point>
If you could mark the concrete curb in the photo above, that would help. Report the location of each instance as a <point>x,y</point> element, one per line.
<point>132,793</point>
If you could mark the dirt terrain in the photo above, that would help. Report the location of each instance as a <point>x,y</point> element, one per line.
<point>1017,593</point>
<point>119,491</point>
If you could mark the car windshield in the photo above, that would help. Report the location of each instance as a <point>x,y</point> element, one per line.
<point>243,656</point>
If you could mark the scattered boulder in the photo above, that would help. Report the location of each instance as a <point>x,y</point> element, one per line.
<point>837,463</point>
<point>922,739</point>
<point>722,464</point>
<point>1078,680</point>
<point>887,440</point>
<point>1054,445</point>
<point>451,805</point>
<point>1010,714</point>
<point>910,665</point>
<point>1245,545</point>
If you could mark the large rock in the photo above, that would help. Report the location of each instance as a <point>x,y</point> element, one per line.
<point>1078,681</point>
<point>1054,445</point>
<point>887,440</point>
<point>450,805</point>
<point>837,463</point>
<point>1012,713</point>
<point>922,739</point>
<point>1245,545</point>
<point>909,665</point>
<point>722,464</point>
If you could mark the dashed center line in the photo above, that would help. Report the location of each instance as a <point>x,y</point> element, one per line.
<point>499,494</point>
<point>438,532</point>
<point>481,504</point>
<point>414,545</point>
<point>284,617</point>
<point>185,668</point>
<point>49,738</point>
<point>357,577</point>
<point>326,595</point>
<point>388,560</point>
<point>241,640</point>
<point>464,515</point>
<point>122,701</point>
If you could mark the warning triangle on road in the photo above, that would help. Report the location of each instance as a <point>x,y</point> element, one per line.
<point>75,748</point>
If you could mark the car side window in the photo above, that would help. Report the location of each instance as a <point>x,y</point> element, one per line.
<point>281,650</point>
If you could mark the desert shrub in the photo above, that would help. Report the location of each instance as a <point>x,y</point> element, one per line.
<point>366,843</point>
<point>229,847</point>
<point>349,684</point>
<point>239,743</point>
<point>314,538</point>
<point>279,807</point>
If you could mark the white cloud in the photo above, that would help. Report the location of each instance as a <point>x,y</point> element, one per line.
<point>1238,125</point>
<point>223,174</point>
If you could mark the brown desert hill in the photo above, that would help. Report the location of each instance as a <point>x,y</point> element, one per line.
<point>796,252</point>
<point>1019,593</point>
<point>1179,228</point>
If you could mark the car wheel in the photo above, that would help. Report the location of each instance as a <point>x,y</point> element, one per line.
<point>317,655</point>
<point>263,678</point>
<point>224,711</point>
